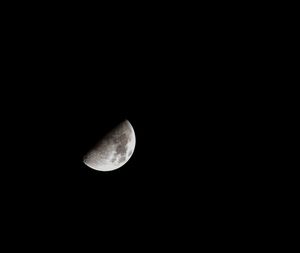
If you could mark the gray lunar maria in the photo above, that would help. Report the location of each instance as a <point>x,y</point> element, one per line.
<point>113,150</point>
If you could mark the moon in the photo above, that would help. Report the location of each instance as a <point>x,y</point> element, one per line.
<point>113,150</point>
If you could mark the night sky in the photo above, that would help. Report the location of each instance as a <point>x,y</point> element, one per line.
<point>178,86</point>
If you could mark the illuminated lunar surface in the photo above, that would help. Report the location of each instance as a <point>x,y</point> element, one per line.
<point>113,150</point>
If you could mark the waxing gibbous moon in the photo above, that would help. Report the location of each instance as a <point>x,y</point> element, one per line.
<point>113,150</point>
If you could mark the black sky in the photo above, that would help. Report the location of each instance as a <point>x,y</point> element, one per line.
<point>185,89</point>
